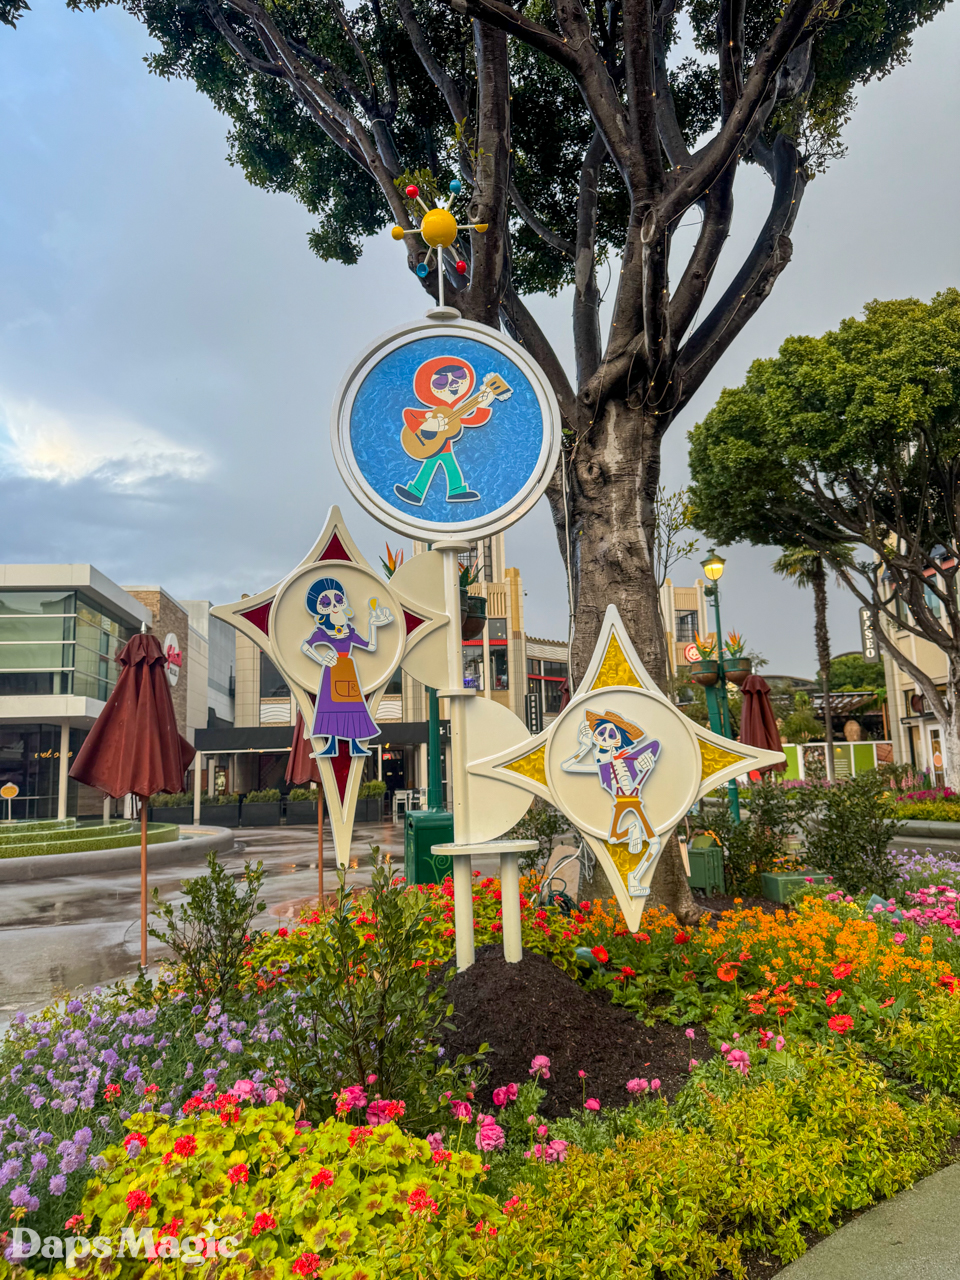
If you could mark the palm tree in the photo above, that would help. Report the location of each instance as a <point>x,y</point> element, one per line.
<point>808,568</point>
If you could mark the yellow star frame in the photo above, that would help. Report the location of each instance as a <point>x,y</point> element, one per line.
<point>559,766</point>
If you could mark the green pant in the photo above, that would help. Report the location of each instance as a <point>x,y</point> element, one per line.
<point>455,480</point>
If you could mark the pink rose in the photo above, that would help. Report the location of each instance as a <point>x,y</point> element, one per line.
<point>512,1091</point>
<point>271,1095</point>
<point>541,1130</point>
<point>637,1086</point>
<point>244,1089</point>
<point>500,1096</point>
<point>592,1104</point>
<point>654,1085</point>
<point>693,1063</point>
<point>490,1137</point>
<point>461,1111</point>
<point>353,1096</point>
<point>383,1111</point>
<point>690,1033</point>
<point>557,1150</point>
<point>582,1075</point>
<point>540,1065</point>
<point>435,1141</point>
<point>899,939</point>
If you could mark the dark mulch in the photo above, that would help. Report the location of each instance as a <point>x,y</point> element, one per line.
<point>531,1008</point>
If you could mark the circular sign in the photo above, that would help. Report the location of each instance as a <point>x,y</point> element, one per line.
<point>171,651</point>
<point>9,791</point>
<point>446,428</point>
<point>311,604</point>
<point>647,719</point>
<point>691,653</point>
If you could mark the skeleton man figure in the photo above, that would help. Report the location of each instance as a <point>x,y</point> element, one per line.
<point>616,750</point>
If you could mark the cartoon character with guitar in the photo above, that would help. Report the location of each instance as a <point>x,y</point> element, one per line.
<point>445,384</point>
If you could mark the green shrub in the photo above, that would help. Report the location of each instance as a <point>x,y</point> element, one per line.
<point>228,797</point>
<point>928,810</point>
<point>373,788</point>
<point>848,829</point>
<point>366,1001</point>
<point>173,800</point>
<point>270,795</point>
<point>210,931</point>
<point>753,845</point>
<point>930,1045</point>
<point>303,793</point>
<point>157,833</point>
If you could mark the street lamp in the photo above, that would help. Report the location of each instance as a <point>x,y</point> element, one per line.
<point>718,706</point>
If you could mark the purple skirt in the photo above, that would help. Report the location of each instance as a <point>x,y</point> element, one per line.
<point>342,719</point>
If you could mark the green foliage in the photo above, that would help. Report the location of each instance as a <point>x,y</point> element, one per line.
<point>228,797</point>
<point>157,833</point>
<point>171,800</point>
<point>303,793</point>
<point>375,787</point>
<point>210,931</point>
<point>270,795</point>
<point>849,671</point>
<point>929,1046</point>
<point>366,1002</point>
<point>848,827</point>
<point>928,810</point>
<point>753,845</point>
<point>801,724</point>
<point>543,823</point>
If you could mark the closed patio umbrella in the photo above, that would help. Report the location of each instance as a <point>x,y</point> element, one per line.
<point>135,748</point>
<point>758,724</point>
<point>301,769</point>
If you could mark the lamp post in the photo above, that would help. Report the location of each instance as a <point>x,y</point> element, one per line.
<point>718,705</point>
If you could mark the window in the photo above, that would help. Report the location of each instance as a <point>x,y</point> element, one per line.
<point>687,626</point>
<point>547,679</point>
<point>272,683</point>
<point>498,668</point>
<point>395,684</point>
<point>497,630</point>
<point>58,642</point>
<point>932,601</point>
<point>473,667</point>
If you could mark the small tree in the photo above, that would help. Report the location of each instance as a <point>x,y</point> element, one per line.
<point>848,829</point>
<point>855,437</point>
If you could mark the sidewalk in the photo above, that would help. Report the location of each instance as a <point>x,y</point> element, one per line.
<point>914,1236</point>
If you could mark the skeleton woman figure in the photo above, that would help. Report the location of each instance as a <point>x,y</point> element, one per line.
<point>341,711</point>
<point>615,749</point>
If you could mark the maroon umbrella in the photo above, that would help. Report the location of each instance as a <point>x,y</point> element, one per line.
<point>135,748</point>
<point>301,769</point>
<point>758,724</point>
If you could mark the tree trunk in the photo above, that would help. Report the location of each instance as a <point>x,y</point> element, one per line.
<point>613,471</point>
<point>950,725</point>
<point>823,657</point>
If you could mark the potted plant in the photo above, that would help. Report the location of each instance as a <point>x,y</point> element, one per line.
<point>735,665</point>
<point>370,801</point>
<point>473,609</point>
<point>220,811</point>
<point>302,806</point>
<point>261,808</point>
<point>177,807</point>
<point>705,671</point>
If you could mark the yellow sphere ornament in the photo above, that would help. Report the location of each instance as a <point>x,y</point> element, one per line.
<point>439,227</point>
<point>397,233</point>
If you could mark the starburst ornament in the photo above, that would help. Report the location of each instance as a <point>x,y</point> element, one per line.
<point>438,230</point>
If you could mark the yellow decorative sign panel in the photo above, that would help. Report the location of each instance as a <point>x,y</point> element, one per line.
<point>615,669</point>
<point>530,766</point>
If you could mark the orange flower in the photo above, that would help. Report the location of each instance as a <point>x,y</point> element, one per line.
<point>728,972</point>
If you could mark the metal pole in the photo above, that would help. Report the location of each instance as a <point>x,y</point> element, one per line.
<point>510,903</point>
<point>723,703</point>
<point>64,772</point>
<point>320,844</point>
<point>434,772</point>
<point>197,772</point>
<point>143,881</point>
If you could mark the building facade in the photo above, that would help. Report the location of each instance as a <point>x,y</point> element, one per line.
<point>684,612</point>
<point>913,728</point>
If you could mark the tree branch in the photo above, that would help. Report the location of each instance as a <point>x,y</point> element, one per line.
<point>586,295</point>
<point>431,64</point>
<point>641,88</point>
<point>693,285</point>
<point>671,135</point>
<point>529,334</point>
<point>536,226</point>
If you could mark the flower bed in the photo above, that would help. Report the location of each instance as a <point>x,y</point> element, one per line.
<point>777,1070</point>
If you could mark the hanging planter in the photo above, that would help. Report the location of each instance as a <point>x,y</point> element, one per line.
<point>705,671</point>
<point>737,669</point>
<point>473,615</point>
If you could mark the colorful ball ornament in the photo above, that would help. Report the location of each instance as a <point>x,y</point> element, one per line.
<point>462,267</point>
<point>422,270</point>
<point>397,233</point>
<point>456,186</point>
<point>413,191</point>
<point>439,227</point>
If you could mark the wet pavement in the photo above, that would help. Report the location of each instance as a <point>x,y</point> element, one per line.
<point>61,935</point>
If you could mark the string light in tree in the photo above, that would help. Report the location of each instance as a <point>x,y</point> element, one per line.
<point>438,229</point>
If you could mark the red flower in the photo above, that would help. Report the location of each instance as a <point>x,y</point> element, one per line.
<point>150,1088</point>
<point>186,1146</point>
<point>841,1023</point>
<point>110,1092</point>
<point>833,997</point>
<point>322,1179</point>
<point>358,1134</point>
<point>306,1264</point>
<point>419,1202</point>
<point>728,972</point>
<point>628,972</point>
<point>135,1137</point>
<point>138,1201</point>
<point>680,938</point>
<point>166,1157</point>
<point>73,1222</point>
<point>263,1222</point>
<point>842,971</point>
<point>950,982</point>
<point>282,933</point>
<point>599,953</point>
<point>239,1173</point>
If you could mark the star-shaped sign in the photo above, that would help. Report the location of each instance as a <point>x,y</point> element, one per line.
<point>393,620</point>
<point>623,764</point>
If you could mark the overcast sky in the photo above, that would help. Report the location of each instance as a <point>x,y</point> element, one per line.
<point>169,346</point>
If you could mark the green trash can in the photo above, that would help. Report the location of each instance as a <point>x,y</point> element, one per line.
<point>706,865</point>
<point>422,830</point>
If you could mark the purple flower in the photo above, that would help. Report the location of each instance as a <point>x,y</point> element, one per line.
<point>234,1046</point>
<point>74,1006</point>
<point>38,1161</point>
<point>21,1198</point>
<point>58,1184</point>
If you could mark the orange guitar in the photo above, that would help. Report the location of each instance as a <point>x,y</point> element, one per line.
<point>444,426</point>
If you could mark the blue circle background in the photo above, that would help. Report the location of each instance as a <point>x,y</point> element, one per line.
<point>497,460</point>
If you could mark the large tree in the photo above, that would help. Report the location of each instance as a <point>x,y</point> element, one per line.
<point>855,438</point>
<point>584,135</point>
